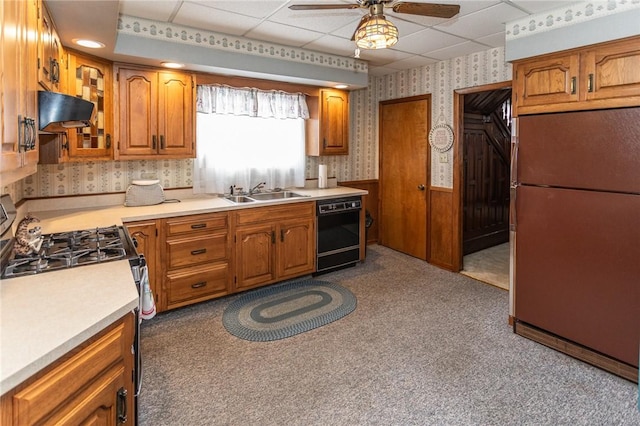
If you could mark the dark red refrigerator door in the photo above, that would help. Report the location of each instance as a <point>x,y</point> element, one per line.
<point>577,267</point>
<point>587,149</point>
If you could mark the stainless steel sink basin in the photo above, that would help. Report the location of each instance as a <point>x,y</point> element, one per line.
<point>261,196</point>
<point>239,199</point>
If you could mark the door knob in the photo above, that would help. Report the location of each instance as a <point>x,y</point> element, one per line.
<point>421,187</point>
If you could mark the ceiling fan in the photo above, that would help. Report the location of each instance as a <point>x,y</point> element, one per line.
<point>374,31</point>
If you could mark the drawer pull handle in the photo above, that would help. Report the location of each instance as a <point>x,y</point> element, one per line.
<point>200,251</point>
<point>122,405</point>
<point>199,226</point>
<point>199,285</point>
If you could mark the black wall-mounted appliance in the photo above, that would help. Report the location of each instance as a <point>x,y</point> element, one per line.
<point>58,112</point>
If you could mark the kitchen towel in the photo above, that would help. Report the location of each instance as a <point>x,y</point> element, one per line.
<point>148,305</point>
<point>322,176</point>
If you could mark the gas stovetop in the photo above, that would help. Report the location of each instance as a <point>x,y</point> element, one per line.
<point>71,249</point>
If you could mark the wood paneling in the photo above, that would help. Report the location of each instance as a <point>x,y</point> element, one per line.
<point>441,233</point>
<point>370,202</point>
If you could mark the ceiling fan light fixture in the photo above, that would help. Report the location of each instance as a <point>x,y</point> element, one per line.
<point>376,33</point>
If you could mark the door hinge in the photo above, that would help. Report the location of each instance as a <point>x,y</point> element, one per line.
<point>156,232</point>
<point>117,76</point>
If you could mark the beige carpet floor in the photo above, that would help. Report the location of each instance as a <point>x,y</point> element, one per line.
<point>490,266</point>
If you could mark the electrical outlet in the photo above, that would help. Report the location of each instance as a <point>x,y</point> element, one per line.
<point>444,158</point>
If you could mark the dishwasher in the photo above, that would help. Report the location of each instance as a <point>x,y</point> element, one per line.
<point>338,238</point>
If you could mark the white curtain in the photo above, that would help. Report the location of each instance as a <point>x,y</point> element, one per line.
<point>248,136</point>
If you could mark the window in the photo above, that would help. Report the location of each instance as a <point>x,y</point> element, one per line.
<point>248,136</point>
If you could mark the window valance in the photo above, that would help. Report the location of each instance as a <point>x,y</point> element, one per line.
<point>220,99</point>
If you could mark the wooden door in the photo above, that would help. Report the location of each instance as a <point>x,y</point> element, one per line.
<point>404,174</point>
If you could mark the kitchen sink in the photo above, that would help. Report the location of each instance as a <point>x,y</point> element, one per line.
<point>261,196</point>
<point>239,199</point>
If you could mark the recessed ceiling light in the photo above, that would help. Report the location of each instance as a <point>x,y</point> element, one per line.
<point>88,43</point>
<point>172,65</point>
<point>341,86</point>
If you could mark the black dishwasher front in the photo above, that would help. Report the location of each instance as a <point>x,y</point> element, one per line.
<point>338,239</point>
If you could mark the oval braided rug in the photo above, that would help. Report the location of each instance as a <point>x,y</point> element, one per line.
<point>284,310</point>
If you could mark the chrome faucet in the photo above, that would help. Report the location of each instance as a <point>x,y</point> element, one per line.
<point>257,188</point>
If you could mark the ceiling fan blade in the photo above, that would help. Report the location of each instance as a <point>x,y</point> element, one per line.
<point>323,6</point>
<point>427,9</point>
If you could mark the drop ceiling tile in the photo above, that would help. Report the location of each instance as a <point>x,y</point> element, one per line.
<point>412,62</point>
<point>157,11</point>
<point>257,9</point>
<point>426,40</point>
<point>535,6</point>
<point>282,34</point>
<point>493,40</point>
<point>461,49</point>
<point>379,57</point>
<point>482,23</point>
<point>332,44</point>
<point>200,16</point>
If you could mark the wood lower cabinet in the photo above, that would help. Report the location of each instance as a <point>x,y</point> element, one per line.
<point>156,114</point>
<point>92,385</point>
<point>273,244</point>
<point>195,259</point>
<point>145,236</point>
<point>596,77</point>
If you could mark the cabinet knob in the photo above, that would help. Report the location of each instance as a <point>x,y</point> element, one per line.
<point>421,187</point>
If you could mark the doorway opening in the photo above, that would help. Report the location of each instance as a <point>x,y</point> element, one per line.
<point>484,147</point>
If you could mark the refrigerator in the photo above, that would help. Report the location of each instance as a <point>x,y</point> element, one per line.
<point>575,222</point>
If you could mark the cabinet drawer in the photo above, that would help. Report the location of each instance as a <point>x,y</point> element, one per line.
<point>197,282</point>
<point>57,387</point>
<point>275,213</point>
<point>197,223</point>
<point>195,250</point>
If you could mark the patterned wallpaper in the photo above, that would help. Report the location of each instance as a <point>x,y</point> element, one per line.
<point>439,79</point>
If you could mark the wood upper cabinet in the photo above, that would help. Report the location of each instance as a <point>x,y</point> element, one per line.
<point>145,236</point>
<point>18,81</point>
<point>89,78</point>
<point>327,129</point>
<point>156,114</point>
<point>195,259</point>
<point>596,77</point>
<point>274,243</point>
<point>50,53</point>
<point>91,385</point>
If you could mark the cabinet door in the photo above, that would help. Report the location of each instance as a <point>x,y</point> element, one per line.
<point>138,107</point>
<point>144,234</point>
<point>255,256</point>
<point>19,154</point>
<point>176,114</point>
<point>90,79</point>
<point>296,255</point>
<point>102,403</point>
<point>552,80</point>
<point>334,122</point>
<point>612,72</point>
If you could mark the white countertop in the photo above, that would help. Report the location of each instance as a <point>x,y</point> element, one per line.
<point>42,319</point>
<point>44,316</point>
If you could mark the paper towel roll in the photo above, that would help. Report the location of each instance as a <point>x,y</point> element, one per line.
<point>322,176</point>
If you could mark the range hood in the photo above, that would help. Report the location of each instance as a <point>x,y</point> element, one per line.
<point>58,112</point>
